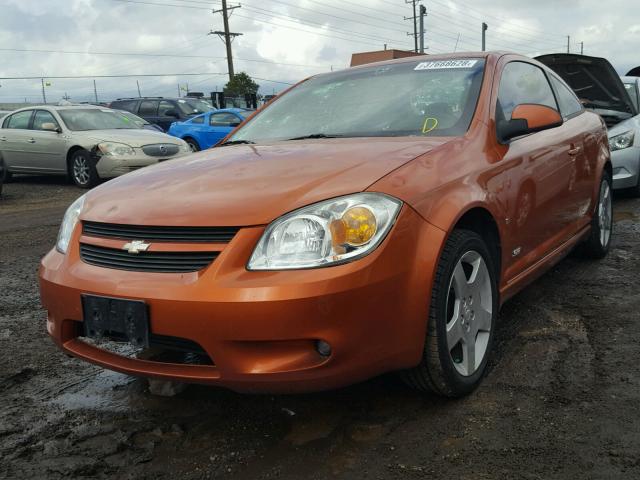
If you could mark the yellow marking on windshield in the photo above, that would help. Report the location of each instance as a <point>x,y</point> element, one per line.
<point>429,125</point>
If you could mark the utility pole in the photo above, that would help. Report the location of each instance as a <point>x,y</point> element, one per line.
<point>568,43</point>
<point>581,48</point>
<point>423,13</point>
<point>485,27</point>
<point>228,36</point>
<point>95,90</point>
<point>138,84</point>
<point>415,23</point>
<point>44,95</point>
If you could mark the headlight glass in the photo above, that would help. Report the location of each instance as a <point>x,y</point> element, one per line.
<point>68,224</point>
<point>326,233</point>
<point>622,141</point>
<point>115,149</point>
<point>184,147</point>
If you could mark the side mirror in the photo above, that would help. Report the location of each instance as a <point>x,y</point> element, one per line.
<point>51,127</point>
<point>172,113</point>
<point>528,118</point>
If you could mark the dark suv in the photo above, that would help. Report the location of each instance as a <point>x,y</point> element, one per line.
<point>163,111</point>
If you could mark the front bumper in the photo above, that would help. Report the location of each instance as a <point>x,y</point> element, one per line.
<point>109,167</point>
<point>260,328</point>
<point>626,167</point>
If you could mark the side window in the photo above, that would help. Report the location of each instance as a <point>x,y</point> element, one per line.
<point>41,117</point>
<point>18,120</point>
<point>568,102</point>
<point>198,120</point>
<point>128,105</point>
<point>223,119</point>
<point>523,83</point>
<point>148,107</point>
<point>165,106</point>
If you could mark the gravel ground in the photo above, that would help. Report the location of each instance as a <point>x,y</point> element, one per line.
<point>560,400</point>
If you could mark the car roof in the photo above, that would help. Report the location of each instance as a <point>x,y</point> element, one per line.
<point>62,107</point>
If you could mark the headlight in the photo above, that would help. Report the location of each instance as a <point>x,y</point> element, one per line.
<point>185,148</point>
<point>68,224</point>
<point>622,141</point>
<point>326,233</point>
<point>115,149</point>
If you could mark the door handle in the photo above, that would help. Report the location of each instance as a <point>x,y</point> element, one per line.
<point>574,151</point>
<point>31,140</point>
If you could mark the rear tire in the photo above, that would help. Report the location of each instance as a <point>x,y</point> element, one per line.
<point>599,241</point>
<point>464,307</point>
<point>193,144</point>
<point>82,169</point>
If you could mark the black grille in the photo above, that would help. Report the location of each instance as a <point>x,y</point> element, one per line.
<point>163,234</point>
<point>161,150</point>
<point>161,262</point>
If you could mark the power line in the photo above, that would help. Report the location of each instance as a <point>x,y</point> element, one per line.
<point>136,54</point>
<point>68,77</point>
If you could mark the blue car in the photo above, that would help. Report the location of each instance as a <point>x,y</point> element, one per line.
<point>206,130</point>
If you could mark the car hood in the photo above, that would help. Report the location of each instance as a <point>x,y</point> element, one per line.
<point>246,185</point>
<point>132,137</point>
<point>592,79</point>
<point>632,123</point>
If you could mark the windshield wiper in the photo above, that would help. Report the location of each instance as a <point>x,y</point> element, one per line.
<point>316,135</point>
<point>237,142</point>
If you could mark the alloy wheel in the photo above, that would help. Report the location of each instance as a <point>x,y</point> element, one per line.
<point>469,313</point>
<point>81,170</point>
<point>605,213</point>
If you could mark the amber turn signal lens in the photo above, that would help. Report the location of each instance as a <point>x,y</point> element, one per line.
<point>356,227</point>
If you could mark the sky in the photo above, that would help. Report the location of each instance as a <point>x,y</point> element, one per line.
<point>282,41</point>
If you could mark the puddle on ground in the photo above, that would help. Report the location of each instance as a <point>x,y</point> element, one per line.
<point>105,391</point>
<point>620,216</point>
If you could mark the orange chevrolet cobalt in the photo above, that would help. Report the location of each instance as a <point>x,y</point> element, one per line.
<point>368,220</point>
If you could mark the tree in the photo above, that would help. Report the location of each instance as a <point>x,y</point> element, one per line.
<point>240,84</point>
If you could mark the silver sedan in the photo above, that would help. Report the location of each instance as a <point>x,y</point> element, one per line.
<point>87,143</point>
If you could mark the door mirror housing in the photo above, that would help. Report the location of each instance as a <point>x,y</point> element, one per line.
<point>172,113</point>
<point>51,127</point>
<point>528,118</point>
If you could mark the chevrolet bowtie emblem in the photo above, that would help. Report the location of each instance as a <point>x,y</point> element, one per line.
<point>136,246</point>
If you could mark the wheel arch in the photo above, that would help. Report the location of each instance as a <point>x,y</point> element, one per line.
<point>479,219</point>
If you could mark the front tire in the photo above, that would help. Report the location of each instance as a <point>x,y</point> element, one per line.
<point>82,169</point>
<point>599,241</point>
<point>193,144</point>
<point>464,306</point>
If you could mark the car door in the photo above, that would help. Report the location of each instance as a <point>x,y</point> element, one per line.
<point>540,213</point>
<point>48,148</point>
<point>148,109</point>
<point>164,107</point>
<point>220,124</point>
<point>13,141</point>
<point>583,151</point>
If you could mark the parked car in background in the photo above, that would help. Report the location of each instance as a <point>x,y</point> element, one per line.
<point>87,143</point>
<point>339,233</point>
<point>139,121</point>
<point>615,99</point>
<point>205,130</point>
<point>163,111</point>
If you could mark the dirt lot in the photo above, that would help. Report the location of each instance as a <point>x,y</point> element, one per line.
<point>561,400</point>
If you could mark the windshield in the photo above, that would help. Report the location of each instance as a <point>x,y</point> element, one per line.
<point>433,98</point>
<point>633,93</point>
<point>194,106</point>
<point>131,118</point>
<point>94,119</point>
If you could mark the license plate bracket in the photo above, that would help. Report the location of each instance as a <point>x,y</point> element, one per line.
<point>116,319</point>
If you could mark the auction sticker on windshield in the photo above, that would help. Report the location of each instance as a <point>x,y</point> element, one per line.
<point>441,64</point>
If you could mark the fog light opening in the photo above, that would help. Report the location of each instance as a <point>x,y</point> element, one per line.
<point>323,348</point>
